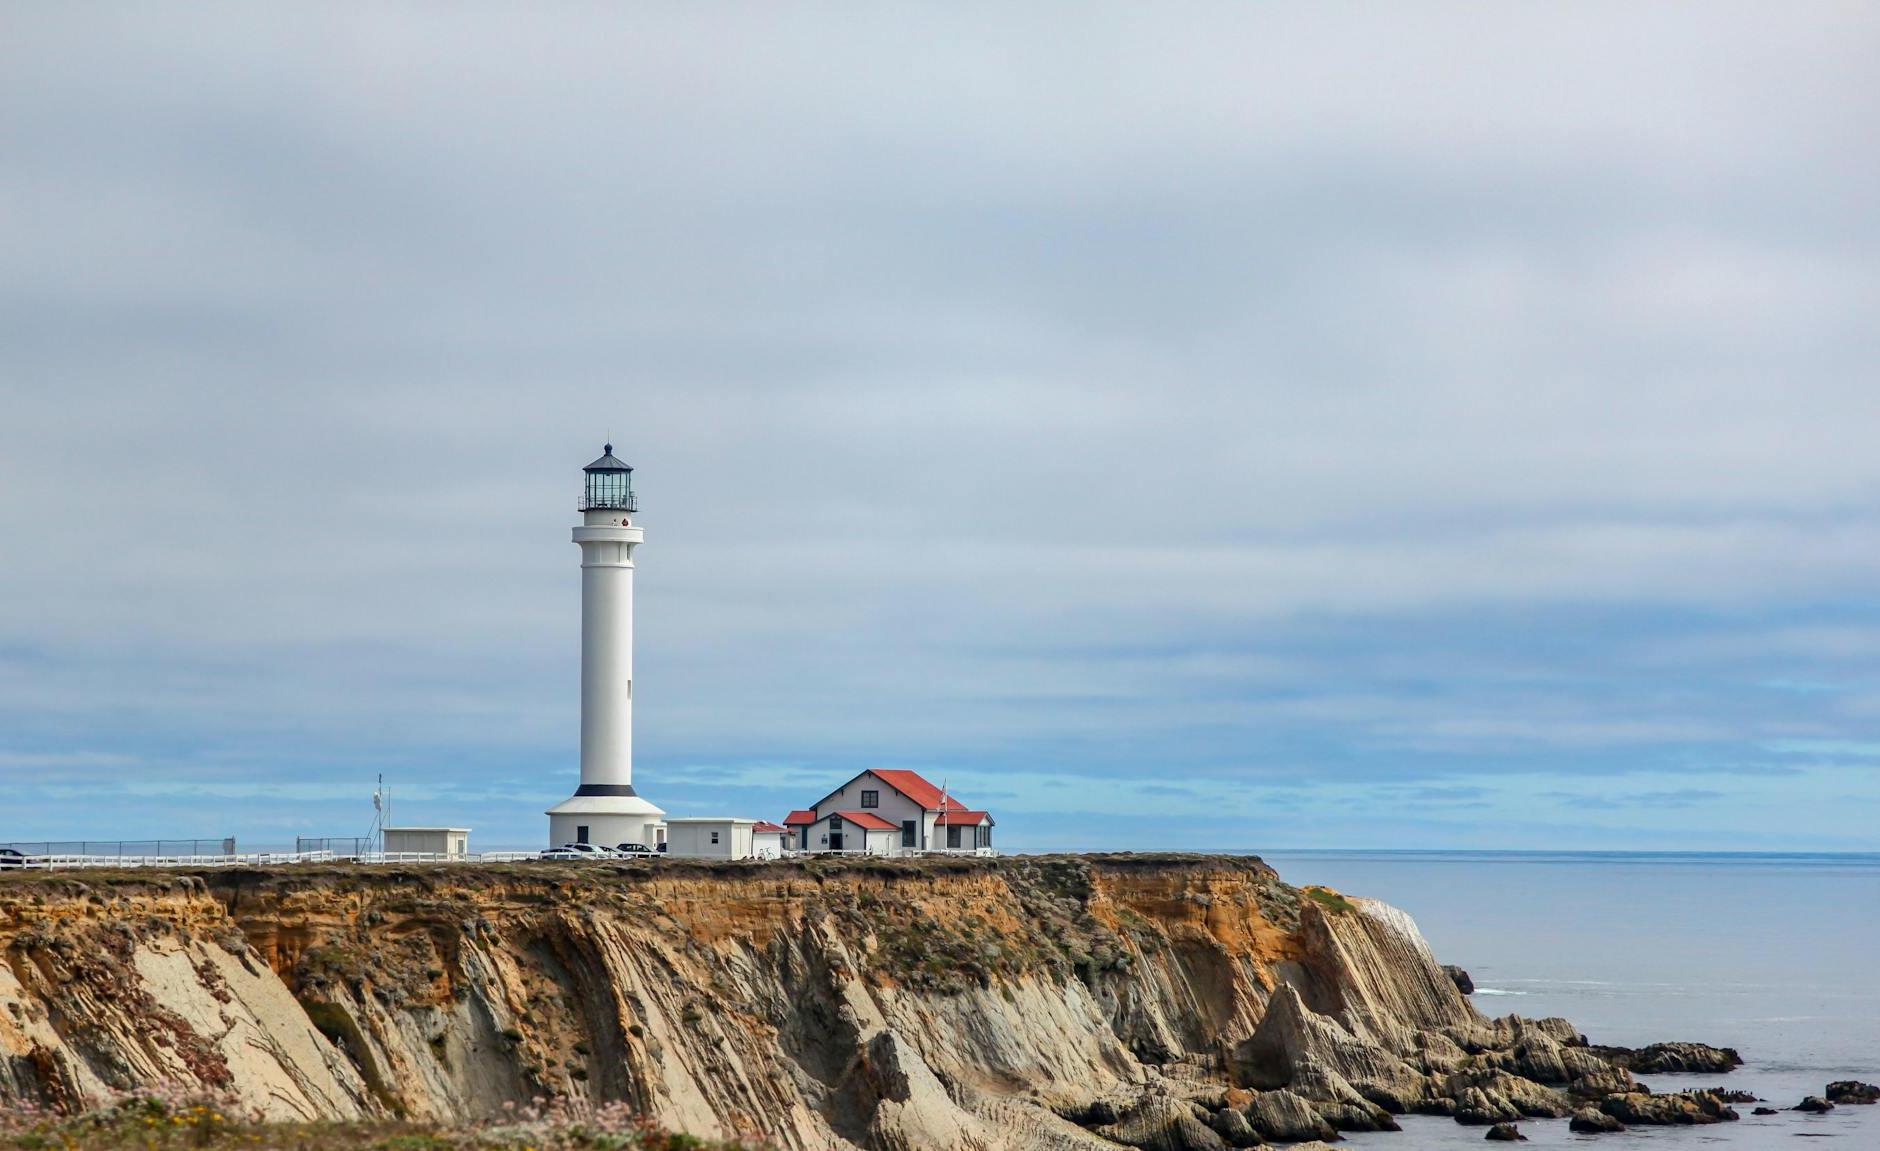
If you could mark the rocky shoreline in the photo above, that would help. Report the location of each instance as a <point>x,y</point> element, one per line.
<point>1172,1003</point>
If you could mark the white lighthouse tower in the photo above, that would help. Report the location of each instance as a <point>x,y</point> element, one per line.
<point>605,809</point>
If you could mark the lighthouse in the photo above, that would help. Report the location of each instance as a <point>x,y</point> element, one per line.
<point>605,809</point>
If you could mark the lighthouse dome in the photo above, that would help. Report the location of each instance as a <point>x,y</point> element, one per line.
<point>609,484</point>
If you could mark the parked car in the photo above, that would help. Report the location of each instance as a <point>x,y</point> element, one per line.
<point>634,849</point>
<point>11,858</point>
<point>580,851</point>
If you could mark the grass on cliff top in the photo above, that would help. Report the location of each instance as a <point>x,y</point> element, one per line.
<point>156,1124</point>
<point>229,882</point>
<point>1328,899</point>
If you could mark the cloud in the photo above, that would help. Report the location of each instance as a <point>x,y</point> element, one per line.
<point>1265,400</point>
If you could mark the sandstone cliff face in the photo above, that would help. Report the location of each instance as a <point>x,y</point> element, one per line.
<point>1021,1003</point>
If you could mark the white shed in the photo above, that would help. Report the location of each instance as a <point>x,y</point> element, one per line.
<point>446,841</point>
<point>769,840</point>
<point>710,838</point>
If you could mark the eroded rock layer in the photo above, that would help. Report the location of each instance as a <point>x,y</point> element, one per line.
<point>1046,1002</point>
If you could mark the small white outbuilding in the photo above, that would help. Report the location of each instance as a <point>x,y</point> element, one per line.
<point>769,840</point>
<point>451,842</point>
<point>710,838</point>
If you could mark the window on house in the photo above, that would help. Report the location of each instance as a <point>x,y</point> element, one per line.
<point>907,832</point>
<point>871,799</point>
<point>580,834</point>
<point>835,823</point>
<point>953,837</point>
<point>714,837</point>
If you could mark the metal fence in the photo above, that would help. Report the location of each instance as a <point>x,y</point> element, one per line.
<point>127,848</point>
<point>341,846</point>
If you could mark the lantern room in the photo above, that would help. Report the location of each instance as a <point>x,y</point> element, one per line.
<point>609,484</point>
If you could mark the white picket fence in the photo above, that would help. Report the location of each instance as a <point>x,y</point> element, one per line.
<point>278,858</point>
<point>252,859</point>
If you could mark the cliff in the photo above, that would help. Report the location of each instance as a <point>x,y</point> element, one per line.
<point>1043,1002</point>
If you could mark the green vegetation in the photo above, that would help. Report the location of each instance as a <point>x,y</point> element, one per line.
<point>1330,900</point>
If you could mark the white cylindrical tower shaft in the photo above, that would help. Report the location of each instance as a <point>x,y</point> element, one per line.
<point>606,651</point>
<point>605,809</point>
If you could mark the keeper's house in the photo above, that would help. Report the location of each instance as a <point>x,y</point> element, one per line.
<point>888,812</point>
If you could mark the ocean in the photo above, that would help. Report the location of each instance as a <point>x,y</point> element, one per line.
<point>1774,955</point>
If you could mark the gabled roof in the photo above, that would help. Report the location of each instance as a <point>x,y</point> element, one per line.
<point>917,788</point>
<point>960,817</point>
<point>867,819</point>
<point>909,783</point>
<point>767,826</point>
<point>799,818</point>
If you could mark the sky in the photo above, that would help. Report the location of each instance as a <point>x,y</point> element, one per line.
<point>1220,426</point>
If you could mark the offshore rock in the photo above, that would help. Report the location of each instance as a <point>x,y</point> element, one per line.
<point>1590,1121</point>
<point>1673,1058</point>
<point>1765,1111</point>
<point>1505,1133</point>
<point>1460,978</point>
<point>1683,1109</point>
<point>1489,1096</point>
<point>1814,1104</point>
<point>1853,1091</point>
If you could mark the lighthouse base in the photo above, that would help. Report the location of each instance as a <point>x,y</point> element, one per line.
<point>607,820</point>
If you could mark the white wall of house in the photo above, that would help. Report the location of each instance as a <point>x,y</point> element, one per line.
<point>768,844</point>
<point>874,841</point>
<point>881,842</point>
<point>428,840</point>
<point>710,838</point>
<point>969,838</point>
<point>891,805</point>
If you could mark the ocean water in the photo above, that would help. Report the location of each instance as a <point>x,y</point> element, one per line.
<point>1775,955</point>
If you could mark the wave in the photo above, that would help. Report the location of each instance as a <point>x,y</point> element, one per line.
<point>1496,991</point>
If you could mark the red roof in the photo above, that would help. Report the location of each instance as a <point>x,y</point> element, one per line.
<point>960,817</point>
<point>766,825</point>
<point>868,820</point>
<point>916,788</point>
<point>797,818</point>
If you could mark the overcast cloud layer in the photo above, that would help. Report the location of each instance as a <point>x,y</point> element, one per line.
<point>1226,426</point>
